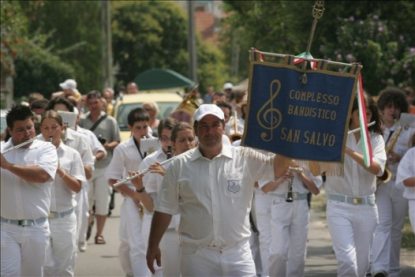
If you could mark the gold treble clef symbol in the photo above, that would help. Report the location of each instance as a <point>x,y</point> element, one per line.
<point>269,117</point>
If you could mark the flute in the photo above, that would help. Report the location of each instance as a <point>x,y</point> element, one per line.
<point>19,145</point>
<point>138,174</point>
<point>358,129</point>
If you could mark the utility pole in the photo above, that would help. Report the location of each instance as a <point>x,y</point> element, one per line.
<point>107,72</point>
<point>191,42</point>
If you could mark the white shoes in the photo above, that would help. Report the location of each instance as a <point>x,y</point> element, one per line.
<point>82,246</point>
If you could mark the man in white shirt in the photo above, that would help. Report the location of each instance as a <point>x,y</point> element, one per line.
<point>211,187</point>
<point>27,174</point>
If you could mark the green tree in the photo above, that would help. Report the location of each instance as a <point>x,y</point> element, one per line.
<point>153,34</point>
<point>72,31</point>
<point>374,33</point>
<point>146,35</point>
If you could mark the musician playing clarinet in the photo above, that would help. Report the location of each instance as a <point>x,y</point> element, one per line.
<point>27,174</point>
<point>392,206</point>
<point>127,158</point>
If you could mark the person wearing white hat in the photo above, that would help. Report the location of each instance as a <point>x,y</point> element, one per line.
<point>70,91</point>
<point>211,186</point>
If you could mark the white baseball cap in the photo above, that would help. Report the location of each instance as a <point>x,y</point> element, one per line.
<point>206,109</point>
<point>68,84</point>
<point>227,86</point>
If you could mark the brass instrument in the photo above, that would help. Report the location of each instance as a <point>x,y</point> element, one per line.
<point>235,135</point>
<point>387,174</point>
<point>185,110</point>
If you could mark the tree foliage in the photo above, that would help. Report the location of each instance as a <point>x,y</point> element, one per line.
<point>376,34</point>
<point>73,34</point>
<point>149,35</point>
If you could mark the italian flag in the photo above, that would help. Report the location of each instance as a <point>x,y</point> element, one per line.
<point>364,132</point>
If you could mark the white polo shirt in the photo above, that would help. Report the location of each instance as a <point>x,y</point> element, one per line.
<point>21,199</point>
<point>152,181</point>
<point>213,196</point>
<point>63,198</point>
<point>92,140</point>
<point>79,142</point>
<point>406,169</point>
<point>357,181</point>
<point>125,158</point>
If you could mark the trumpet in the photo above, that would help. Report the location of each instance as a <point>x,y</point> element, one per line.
<point>387,174</point>
<point>129,178</point>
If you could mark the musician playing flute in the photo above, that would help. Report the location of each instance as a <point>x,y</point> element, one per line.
<point>211,187</point>
<point>27,174</point>
<point>67,183</point>
<point>127,158</point>
<point>351,211</point>
<point>392,206</point>
<point>290,216</point>
<point>152,182</point>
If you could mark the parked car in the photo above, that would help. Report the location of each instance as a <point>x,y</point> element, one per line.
<point>167,103</point>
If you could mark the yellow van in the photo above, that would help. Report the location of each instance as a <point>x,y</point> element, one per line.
<point>166,101</point>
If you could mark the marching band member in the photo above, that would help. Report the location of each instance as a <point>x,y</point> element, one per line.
<point>211,186</point>
<point>290,216</point>
<point>152,182</point>
<point>127,158</point>
<point>27,174</point>
<point>68,182</point>
<point>406,175</point>
<point>351,210</point>
<point>392,206</point>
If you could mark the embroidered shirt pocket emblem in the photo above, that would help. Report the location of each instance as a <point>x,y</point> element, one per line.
<point>234,186</point>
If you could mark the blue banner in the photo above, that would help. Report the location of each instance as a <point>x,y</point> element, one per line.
<point>301,121</point>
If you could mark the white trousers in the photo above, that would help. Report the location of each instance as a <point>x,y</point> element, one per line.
<point>63,247</point>
<point>170,253</point>
<point>233,262</point>
<point>411,211</point>
<point>289,227</point>
<point>263,203</point>
<point>23,249</point>
<point>392,208</point>
<point>99,192</point>
<point>351,228</point>
<point>82,212</point>
<point>134,231</point>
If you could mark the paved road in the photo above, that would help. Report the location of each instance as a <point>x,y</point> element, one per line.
<point>102,260</point>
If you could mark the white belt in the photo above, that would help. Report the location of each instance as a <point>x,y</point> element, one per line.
<point>54,215</point>
<point>295,195</point>
<point>364,200</point>
<point>24,222</point>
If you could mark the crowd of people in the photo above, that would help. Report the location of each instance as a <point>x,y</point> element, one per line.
<point>193,198</point>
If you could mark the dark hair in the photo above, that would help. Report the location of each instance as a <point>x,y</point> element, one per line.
<point>167,123</point>
<point>180,126</point>
<point>395,96</point>
<point>370,106</point>
<point>53,115</point>
<point>93,94</point>
<point>222,104</point>
<point>39,104</point>
<point>138,114</point>
<point>60,100</point>
<point>18,112</point>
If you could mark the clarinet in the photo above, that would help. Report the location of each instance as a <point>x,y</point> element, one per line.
<point>290,197</point>
<point>290,192</point>
<point>169,152</point>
